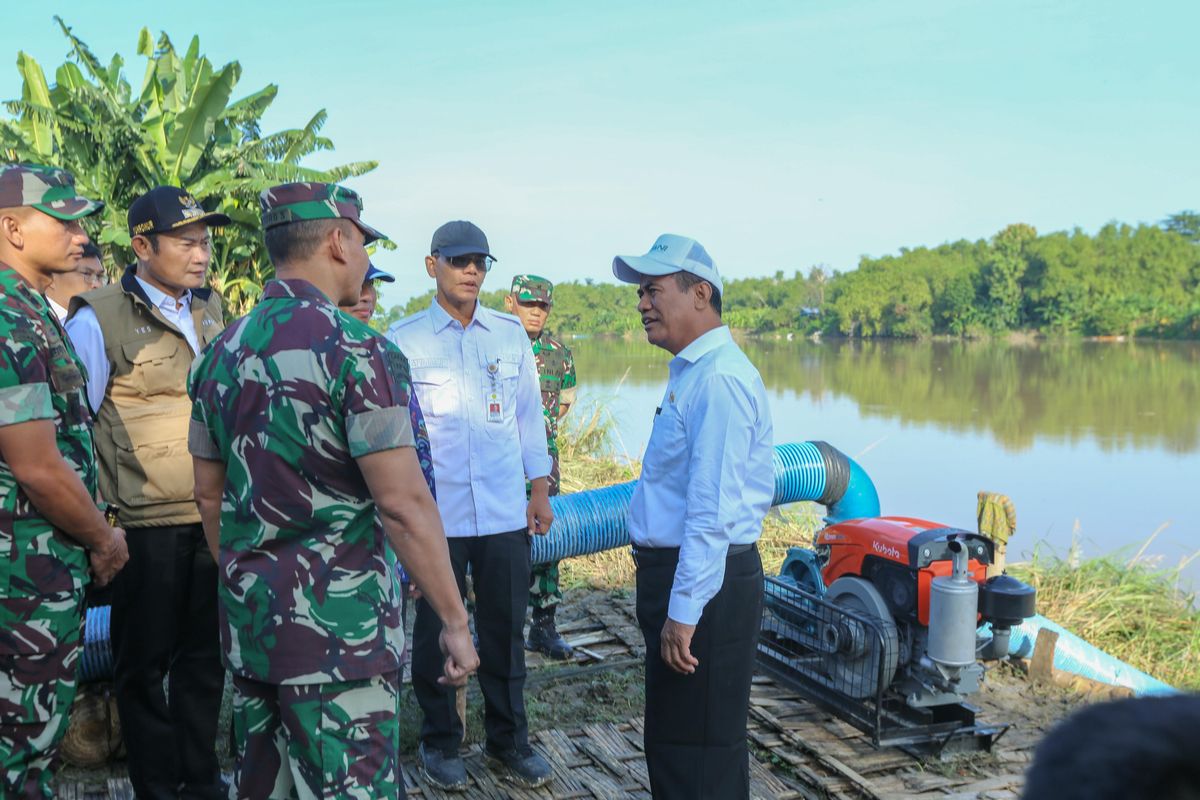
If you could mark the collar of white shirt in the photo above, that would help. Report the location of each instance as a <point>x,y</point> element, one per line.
<point>441,318</point>
<point>704,344</point>
<point>58,310</point>
<point>164,301</point>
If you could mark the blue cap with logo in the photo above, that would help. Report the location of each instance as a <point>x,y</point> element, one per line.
<point>668,255</point>
<point>374,273</point>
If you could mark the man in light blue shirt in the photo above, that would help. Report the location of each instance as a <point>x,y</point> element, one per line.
<point>696,514</point>
<point>475,376</point>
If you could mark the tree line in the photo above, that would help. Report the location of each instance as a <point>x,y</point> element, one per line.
<point>1123,280</point>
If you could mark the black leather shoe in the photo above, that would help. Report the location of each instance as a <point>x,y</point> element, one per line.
<point>445,771</point>
<point>544,636</point>
<point>522,767</point>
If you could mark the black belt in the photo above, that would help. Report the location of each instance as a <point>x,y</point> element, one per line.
<point>734,550</point>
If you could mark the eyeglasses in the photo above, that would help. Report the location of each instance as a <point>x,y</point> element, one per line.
<point>93,276</point>
<point>484,262</point>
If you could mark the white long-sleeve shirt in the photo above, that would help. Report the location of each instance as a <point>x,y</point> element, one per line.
<point>478,390</point>
<point>88,338</point>
<point>707,477</point>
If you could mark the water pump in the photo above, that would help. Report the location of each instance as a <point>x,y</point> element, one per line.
<point>880,621</point>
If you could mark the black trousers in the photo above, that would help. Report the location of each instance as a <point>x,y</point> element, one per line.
<point>500,572</point>
<point>695,735</point>
<point>164,625</point>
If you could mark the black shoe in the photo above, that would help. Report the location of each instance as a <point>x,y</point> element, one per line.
<point>445,771</point>
<point>522,767</point>
<point>544,636</point>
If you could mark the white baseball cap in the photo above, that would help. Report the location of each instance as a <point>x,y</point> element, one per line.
<point>669,254</point>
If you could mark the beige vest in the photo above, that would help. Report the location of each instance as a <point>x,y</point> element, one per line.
<point>142,425</point>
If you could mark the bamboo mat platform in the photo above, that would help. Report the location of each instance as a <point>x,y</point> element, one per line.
<point>799,752</point>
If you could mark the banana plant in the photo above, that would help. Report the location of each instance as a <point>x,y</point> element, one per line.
<point>178,128</point>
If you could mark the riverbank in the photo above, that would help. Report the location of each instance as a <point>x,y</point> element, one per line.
<point>1126,606</point>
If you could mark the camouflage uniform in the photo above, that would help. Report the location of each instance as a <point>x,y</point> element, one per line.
<point>42,572</point>
<point>288,397</point>
<point>556,375</point>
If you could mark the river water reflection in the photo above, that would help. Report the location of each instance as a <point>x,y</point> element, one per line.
<point>1099,437</point>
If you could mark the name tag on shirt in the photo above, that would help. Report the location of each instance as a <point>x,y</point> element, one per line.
<point>495,405</point>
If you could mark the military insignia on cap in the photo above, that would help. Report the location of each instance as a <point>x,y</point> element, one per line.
<point>190,207</point>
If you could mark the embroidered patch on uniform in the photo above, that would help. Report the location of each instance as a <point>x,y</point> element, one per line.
<point>25,335</point>
<point>66,377</point>
<point>398,375</point>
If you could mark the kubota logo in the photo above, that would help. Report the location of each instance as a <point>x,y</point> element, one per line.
<point>885,550</point>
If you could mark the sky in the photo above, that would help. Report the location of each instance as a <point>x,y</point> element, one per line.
<point>781,135</point>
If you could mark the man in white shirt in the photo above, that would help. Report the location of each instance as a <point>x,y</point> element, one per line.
<point>475,376</point>
<point>695,517</point>
<point>138,338</point>
<point>87,276</point>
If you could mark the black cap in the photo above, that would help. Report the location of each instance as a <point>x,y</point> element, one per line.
<point>165,208</point>
<point>460,238</point>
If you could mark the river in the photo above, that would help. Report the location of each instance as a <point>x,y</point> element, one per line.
<point>1097,443</point>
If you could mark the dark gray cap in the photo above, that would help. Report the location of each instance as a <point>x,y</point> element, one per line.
<point>460,238</point>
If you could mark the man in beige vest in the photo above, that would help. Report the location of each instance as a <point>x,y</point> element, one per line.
<point>137,338</point>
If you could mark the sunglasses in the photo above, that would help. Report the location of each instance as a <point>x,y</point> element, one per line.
<point>462,262</point>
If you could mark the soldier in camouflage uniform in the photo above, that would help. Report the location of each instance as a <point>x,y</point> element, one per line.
<point>530,299</point>
<point>303,450</point>
<point>50,526</point>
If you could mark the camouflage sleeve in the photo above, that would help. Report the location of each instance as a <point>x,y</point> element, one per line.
<point>200,440</point>
<point>421,436</point>
<point>568,383</point>
<point>375,402</point>
<point>24,378</point>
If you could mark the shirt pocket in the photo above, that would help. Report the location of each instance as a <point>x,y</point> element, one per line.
<point>432,384</point>
<point>155,366</point>
<point>152,460</point>
<point>667,448</point>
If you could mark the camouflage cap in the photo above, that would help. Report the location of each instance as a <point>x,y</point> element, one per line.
<point>48,189</point>
<point>533,288</point>
<point>296,202</point>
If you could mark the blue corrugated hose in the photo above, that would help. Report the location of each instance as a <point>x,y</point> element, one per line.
<point>96,661</point>
<point>591,521</point>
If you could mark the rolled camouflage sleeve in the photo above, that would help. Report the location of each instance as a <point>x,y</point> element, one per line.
<point>24,378</point>
<point>376,399</point>
<point>569,387</point>
<point>200,441</point>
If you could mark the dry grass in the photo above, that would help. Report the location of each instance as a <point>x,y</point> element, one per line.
<point>1129,608</point>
